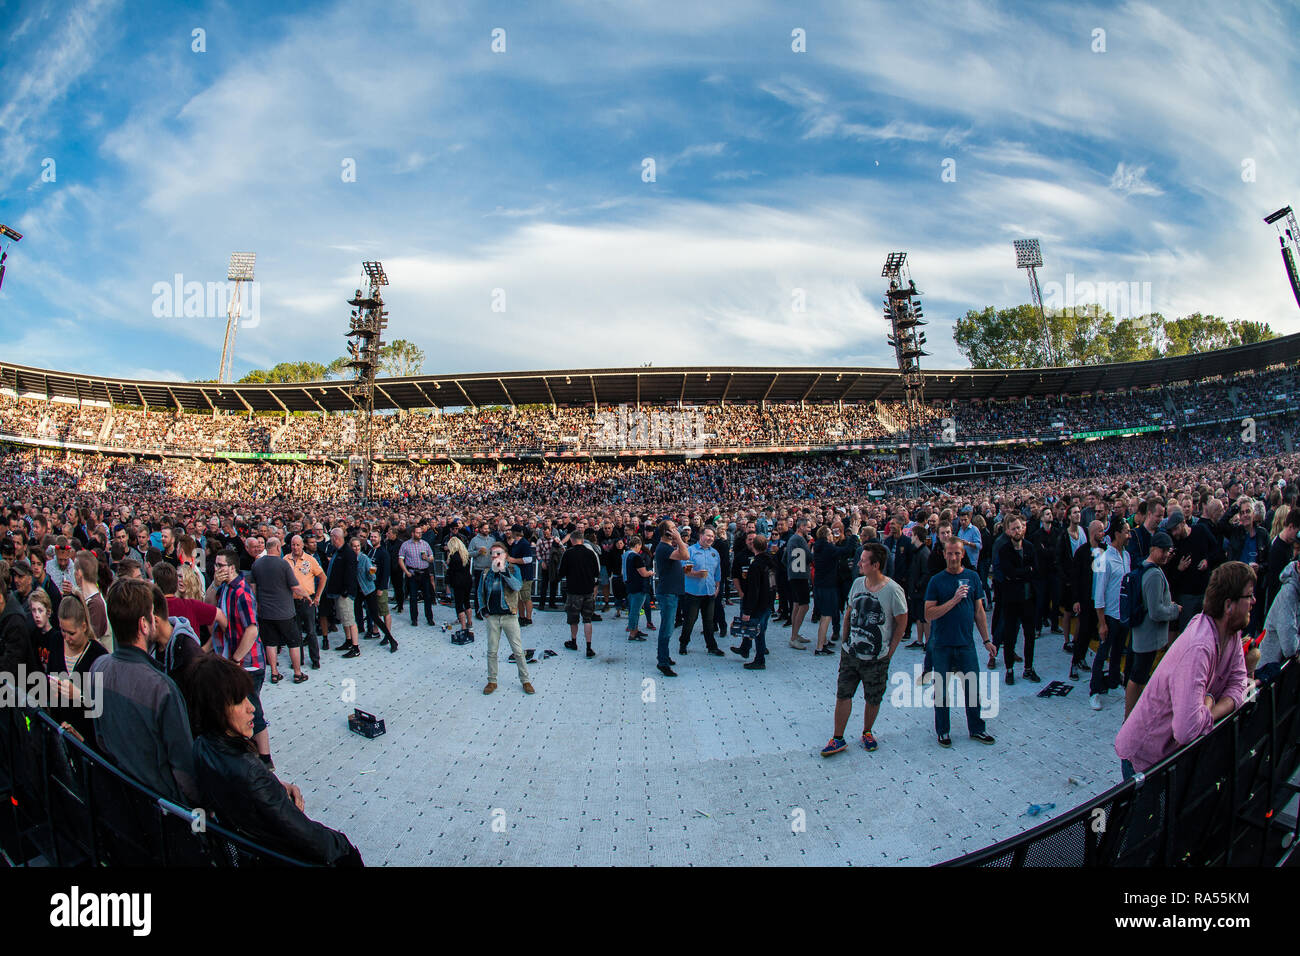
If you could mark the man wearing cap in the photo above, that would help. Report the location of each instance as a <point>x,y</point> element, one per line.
<point>1151,636</point>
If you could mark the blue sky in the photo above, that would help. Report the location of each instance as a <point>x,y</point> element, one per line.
<point>521,171</point>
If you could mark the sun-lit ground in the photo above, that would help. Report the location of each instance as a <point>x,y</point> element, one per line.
<point>719,766</point>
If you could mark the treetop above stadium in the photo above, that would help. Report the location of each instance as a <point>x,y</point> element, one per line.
<point>652,385</point>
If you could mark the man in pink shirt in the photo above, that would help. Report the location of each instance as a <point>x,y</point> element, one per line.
<point>1200,680</point>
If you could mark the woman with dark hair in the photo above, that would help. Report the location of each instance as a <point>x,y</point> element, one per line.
<point>236,785</point>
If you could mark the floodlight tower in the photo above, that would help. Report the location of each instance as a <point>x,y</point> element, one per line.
<point>12,236</point>
<point>904,314</point>
<point>240,271</point>
<point>1289,237</point>
<point>365,339</point>
<point>1029,256</point>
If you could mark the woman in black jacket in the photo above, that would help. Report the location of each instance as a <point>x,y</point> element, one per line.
<point>459,579</point>
<point>236,786</point>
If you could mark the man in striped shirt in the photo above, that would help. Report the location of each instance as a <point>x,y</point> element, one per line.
<point>240,641</point>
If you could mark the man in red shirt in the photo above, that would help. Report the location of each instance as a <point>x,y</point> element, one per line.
<point>199,613</point>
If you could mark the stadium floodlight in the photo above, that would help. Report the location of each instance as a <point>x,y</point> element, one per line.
<point>1028,253</point>
<point>893,265</point>
<point>13,236</point>
<point>1289,237</point>
<point>241,266</point>
<point>239,272</point>
<point>1029,256</point>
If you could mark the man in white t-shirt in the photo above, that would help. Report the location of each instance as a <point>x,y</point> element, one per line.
<point>875,619</point>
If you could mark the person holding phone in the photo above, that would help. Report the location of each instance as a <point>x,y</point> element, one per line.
<point>498,598</point>
<point>954,601</point>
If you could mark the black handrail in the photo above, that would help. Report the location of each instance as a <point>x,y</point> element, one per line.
<point>1112,831</point>
<point>66,818</point>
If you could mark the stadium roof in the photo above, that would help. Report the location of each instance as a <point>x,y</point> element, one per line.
<point>614,386</point>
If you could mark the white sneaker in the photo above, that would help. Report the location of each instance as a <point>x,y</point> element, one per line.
<point>1095,701</point>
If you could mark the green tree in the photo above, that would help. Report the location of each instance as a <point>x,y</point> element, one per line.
<point>400,357</point>
<point>286,372</point>
<point>1195,333</point>
<point>1245,332</point>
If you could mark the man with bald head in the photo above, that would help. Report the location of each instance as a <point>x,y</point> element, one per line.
<point>1085,559</point>
<point>276,586</point>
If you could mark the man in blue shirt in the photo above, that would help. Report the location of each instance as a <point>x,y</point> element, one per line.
<point>954,601</point>
<point>970,537</point>
<point>703,578</point>
<point>669,555</point>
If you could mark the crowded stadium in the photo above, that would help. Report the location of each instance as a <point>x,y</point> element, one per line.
<point>715,546</point>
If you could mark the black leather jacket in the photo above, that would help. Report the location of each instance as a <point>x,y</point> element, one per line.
<point>245,796</point>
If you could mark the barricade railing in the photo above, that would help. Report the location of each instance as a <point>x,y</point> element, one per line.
<point>64,805</point>
<point>1218,801</point>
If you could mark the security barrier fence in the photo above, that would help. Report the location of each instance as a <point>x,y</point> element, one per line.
<point>1226,799</point>
<point>62,804</point>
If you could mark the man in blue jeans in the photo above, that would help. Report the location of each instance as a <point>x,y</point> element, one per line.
<point>669,555</point>
<point>954,603</point>
<point>756,601</point>
<point>1107,576</point>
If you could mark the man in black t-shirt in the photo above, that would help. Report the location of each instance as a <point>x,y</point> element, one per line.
<point>581,570</point>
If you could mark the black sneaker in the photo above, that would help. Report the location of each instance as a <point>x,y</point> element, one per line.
<point>590,652</point>
<point>755,666</point>
<point>571,645</point>
<point>1029,675</point>
<point>945,740</point>
<point>716,652</point>
<point>737,650</point>
<point>1074,672</point>
<point>325,644</point>
<point>635,637</point>
<point>353,652</point>
<point>667,671</point>
<point>681,650</point>
<point>983,737</point>
<point>1011,677</point>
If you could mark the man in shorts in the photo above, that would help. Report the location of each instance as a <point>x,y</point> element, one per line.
<point>580,569</point>
<point>875,619</point>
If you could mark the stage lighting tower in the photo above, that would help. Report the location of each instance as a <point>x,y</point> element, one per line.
<point>1289,237</point>
<point>13,236</point>
<point>240,271</point>
<point>904,314</point>
<point>365,339</point>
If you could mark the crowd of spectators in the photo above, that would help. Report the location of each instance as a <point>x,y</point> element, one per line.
<point>426,433</point>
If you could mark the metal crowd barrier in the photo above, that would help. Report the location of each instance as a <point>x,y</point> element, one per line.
<point>64,805</point>
<point>1226,799</point>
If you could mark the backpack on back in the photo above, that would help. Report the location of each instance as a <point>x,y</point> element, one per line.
<point>1132,611</point>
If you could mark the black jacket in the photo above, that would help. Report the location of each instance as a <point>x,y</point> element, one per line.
<point>245,796</point>
<point>759,585</point>
<point>16,645</point>
<point>342,579</point>
<point>1015,571</point>
<point>1081,579</point>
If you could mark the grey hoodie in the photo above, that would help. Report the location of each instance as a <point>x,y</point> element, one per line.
<point>1153,633</point>
<point>1280,641</point>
